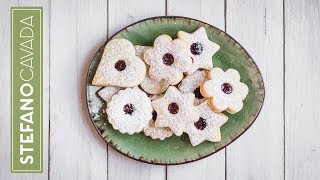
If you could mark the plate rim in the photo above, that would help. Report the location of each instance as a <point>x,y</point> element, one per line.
<point>172,17</point>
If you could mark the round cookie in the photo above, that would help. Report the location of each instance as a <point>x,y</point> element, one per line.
<point>201,49</point>
<point>207,127</point>
<point>119,66</point>
<point>129,111</point>
<point>106,93</point>
<point>175,110</point>
<point>150,85</point>
<point>191,84</point>
<point>156,132</point>
<point>168,59</point>
<point>224,90</point>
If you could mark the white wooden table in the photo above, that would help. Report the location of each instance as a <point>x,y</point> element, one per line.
<point>283,38</point>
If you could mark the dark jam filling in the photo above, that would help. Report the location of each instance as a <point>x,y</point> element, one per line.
<point>197,93</point>
<point>226,88</point>
<point>120,65</point>
<point>168,59</point>
<point>173,108</point>
<point>196,48</point>
<point>154,115</point>
<point>201,124</point>
<point>128,109</point>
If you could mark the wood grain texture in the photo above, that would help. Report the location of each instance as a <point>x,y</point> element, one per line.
<point>77,29</point>
<point>302,73</point>
<point>121,14</point>
<point>211,12</point>
<point>5,34</point>
<point>277,146</point>
<point>258,26</point>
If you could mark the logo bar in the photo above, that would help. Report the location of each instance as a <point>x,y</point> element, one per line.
<point>26,89</point>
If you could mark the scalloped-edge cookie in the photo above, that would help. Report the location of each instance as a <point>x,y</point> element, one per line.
<point>130,110</point>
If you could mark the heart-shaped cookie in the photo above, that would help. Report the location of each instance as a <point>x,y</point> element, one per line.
<point>119,66</point>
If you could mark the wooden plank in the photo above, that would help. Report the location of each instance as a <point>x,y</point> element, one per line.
<point>5,81</point>
<point>302,100</point>
<point>77,29</point>
<point>211,12</point>
<point>258,26</point>
<point>121,14</point>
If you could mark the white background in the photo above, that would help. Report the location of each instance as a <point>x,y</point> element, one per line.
<point>283,38</point>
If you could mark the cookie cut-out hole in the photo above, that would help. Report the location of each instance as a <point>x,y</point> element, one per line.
<point>120,65</point>
<point>226,88</point>
<point>196,48</point>
<point>173,108</point>
<point>197,93</point>
<point>154,115</point>
<point>168,59</point>
<point>200,124</point>
<point>128,109</point>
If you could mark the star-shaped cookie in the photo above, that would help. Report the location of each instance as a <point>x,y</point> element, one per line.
<point>207,127</point>
<point>201,49</point>
<point>175,110</point>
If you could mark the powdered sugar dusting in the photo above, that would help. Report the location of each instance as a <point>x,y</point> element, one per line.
<point>218,99</point>
<point>176,122</point>
<point>203,60</point>
<point>107,74</point>
<point>150,85</point>
<point>107,92</point>
<point>211,132</point>
<point>192,82</point>
<point>140,117</point>
<point>171,73</point>
<point>157,132</point>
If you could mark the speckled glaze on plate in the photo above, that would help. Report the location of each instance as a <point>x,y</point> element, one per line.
<point>178,150</point>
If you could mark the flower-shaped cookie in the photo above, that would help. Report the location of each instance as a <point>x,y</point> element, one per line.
<point>130,110</point>
<point>106,93</point>
<point>168,59</point>
<point>201,49</point>
<point>156,132</point>
<point>207,127</point>
<point>191,84</point>
<point>225,90</point>
<point>175,110</point>
<point>150,85</point>
<point>119,66</point>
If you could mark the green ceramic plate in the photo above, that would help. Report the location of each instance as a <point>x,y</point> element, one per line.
<point>178,150</point>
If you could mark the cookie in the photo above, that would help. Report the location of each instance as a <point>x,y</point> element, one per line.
<point>156,132</point>
<point>119,66</point>
<point>207,127</point>
<point>168,59</point>
<point>140,50</point>
<point>191,84</point>
<point>149,85</point>
<point>200,48</point>
<point>175,110</point>
<point>224,90</point>
<point>106,93</point>
<point>129,111</point>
